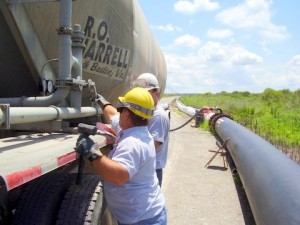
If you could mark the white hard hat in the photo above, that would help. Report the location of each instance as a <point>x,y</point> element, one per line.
<point>147,81</point>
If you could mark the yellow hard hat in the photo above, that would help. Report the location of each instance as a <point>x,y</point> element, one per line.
<point>139,101</point>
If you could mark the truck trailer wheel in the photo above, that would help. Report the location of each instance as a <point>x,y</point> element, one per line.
<point>84,204</point>
<point>41,198</point>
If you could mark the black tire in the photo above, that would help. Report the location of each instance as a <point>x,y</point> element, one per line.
<point>40,200</point>
<point>84,204</point>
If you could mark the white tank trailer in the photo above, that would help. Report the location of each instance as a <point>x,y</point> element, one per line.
<point>55,57</point>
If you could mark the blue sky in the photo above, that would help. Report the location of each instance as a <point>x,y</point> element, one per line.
<point>228,45</point>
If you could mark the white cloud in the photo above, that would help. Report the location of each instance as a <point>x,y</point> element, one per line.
<point>273,32</point>
<point>229,54</point>
<point>253,15</point>
<point>188,74</point>
<point>213,51</point>
<point>214,67</point>
<point>188,41</point>
<point>167,28</point>
<point>219,33</point>
<point>293,71</point>
<point>277,77</point>
<point>295,61</point>
<point>189,7</point>
<point>245,58</point>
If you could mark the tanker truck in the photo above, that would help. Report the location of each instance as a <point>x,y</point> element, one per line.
<point>55,58</point>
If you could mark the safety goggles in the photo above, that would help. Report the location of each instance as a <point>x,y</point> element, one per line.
<point>130,105</point>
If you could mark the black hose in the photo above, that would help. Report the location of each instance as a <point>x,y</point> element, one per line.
<point>196,114</point>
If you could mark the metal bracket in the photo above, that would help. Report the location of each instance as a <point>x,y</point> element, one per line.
<point>4,116</point>
<point>76,84</point>
<point>65,30</point>
<point>222,151</point>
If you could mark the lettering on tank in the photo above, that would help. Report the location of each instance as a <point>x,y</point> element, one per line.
<point>100,57</point>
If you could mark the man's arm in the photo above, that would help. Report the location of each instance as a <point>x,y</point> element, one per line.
<point>110,170</point>
<point>109,111</point>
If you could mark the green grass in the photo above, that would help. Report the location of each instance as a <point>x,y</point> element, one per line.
<point>274,115</point>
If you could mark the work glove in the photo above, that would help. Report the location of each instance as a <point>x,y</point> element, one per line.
<point>88,148</point>
<point>102,101</point>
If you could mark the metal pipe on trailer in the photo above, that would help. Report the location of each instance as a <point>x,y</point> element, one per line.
<point>270,178</point>
<point>66,62</point>
<point>18,115</point>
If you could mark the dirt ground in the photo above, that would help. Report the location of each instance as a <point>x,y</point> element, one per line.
<point>194,193</point>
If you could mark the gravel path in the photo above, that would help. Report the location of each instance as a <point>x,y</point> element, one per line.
<point>196,194</point>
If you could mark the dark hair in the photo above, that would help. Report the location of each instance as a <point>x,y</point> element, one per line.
<point>137,120</point>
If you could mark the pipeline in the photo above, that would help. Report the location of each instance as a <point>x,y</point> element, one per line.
<point>194,113</point>
<point>270,178</point>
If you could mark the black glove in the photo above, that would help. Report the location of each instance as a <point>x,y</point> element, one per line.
<point>102,101</point>
<point>88,148</point>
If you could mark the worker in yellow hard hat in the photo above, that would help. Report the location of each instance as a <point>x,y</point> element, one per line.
<point>131,186</point>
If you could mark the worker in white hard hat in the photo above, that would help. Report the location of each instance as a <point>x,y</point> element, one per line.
<point>131,186</point>
<point>159,125</point>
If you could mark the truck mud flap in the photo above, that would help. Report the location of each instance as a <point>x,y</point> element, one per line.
<point>85,204</point>
<point>41,198</point>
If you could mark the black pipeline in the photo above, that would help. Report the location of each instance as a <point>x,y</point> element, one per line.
<point>270,178</point>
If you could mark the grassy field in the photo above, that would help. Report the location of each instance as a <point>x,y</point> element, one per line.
<point>274,115</point>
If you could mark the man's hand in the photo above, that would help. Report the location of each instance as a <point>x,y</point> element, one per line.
<point>102,101</point>
<point>88,148</point>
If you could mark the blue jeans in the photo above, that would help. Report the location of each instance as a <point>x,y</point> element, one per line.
<point>160,219</point>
